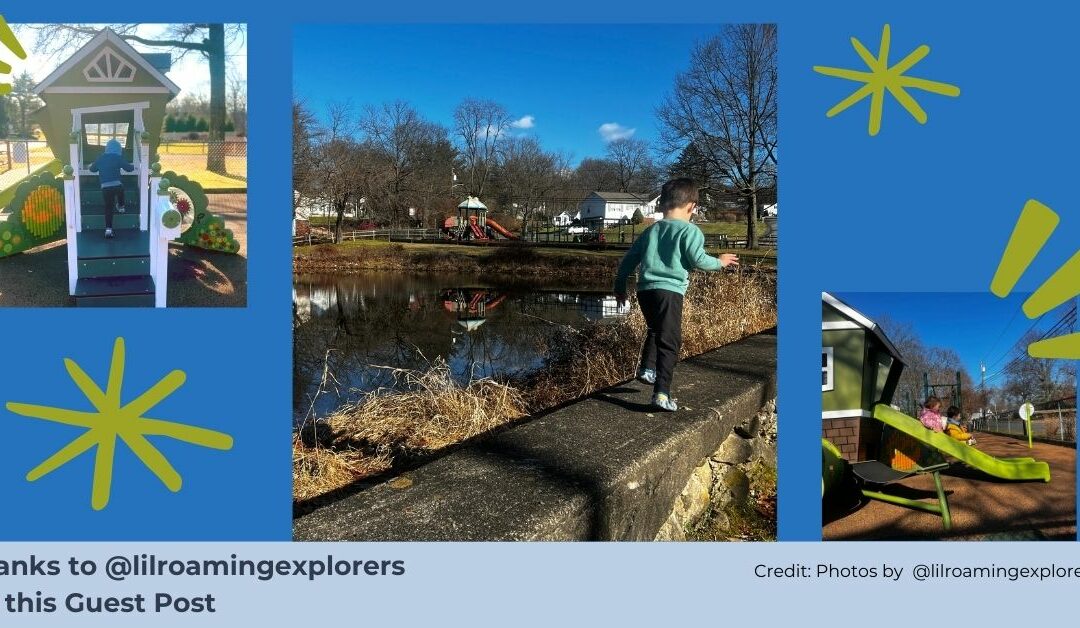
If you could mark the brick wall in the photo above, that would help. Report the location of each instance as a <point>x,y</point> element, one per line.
<point>857,438</point>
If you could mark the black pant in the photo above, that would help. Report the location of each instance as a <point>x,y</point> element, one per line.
<point>113,196</point>
<point>663,315</point>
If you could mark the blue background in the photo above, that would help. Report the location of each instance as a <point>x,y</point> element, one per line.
<point>915,208</point>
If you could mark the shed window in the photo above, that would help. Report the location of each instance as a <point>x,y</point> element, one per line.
<point>99,134</point>
<point>826,368</point>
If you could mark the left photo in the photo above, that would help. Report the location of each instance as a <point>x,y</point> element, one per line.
<point>123,165</point>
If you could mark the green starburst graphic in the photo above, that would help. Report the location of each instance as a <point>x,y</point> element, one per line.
<point>114,420</point>
<point>882,78</point>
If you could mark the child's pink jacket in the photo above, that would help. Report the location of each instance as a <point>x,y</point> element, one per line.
<point>932,420</point>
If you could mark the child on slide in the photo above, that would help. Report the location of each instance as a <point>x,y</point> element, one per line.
<point>953,427</point>
<point>108,167</point>
<point>666,252</point>
<point>930,415</point>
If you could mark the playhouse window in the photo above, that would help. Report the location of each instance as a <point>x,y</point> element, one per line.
<point>826,368</point>
<point>99,134</point>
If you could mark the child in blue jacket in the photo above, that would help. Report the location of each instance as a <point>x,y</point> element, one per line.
<point>108,167</point>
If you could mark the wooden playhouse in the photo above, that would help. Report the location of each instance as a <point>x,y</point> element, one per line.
<point>108,90</point>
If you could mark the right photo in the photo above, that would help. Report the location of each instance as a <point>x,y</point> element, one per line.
<point>939,423</point>
<point>535,282</point>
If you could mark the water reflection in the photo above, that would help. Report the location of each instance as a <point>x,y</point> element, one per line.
<point>354,333</point>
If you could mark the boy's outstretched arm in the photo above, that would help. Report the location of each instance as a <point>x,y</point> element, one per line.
<point>629,262</point>
<point>127,166</point>
<point>704,261</point>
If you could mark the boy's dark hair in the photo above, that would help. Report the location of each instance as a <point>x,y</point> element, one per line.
<point>931,401</point>
<point>952,412</point>
<point>678,192</point>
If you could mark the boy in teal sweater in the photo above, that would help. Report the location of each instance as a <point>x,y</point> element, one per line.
<point>666,253</point>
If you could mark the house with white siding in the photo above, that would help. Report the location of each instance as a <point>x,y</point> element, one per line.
<point>615,206</point>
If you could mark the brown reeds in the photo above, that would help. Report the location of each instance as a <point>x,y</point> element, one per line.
<point>428,411</point>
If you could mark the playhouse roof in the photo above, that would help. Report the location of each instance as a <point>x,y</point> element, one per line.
<point>108,42</point>
<point>860,321</point>
<point>623,197</point>
<point>472,203</point>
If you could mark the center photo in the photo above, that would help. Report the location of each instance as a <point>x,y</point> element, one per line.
<point>534,291</point>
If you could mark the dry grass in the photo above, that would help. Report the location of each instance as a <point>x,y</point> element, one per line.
<point>429,411</point>
<point>719,309</point>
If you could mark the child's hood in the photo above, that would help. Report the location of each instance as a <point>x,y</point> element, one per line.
<point>112,147</point>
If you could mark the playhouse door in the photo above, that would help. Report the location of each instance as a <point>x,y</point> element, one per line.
<point>99,128</point>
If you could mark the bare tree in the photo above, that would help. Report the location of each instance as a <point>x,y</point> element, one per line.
<point>305,135</point>
<point>481,128</point>
<point>529,176</point>
<point>725,105</point>
<point>630,158</point>
<point>406,143</point>
<point>209,40</point>
<point>337,165</point>
<point>596,175</point>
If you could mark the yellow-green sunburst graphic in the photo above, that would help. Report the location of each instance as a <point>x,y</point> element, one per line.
<point>1033,229</point>
<point>114,420</point>
<point>882,77</point>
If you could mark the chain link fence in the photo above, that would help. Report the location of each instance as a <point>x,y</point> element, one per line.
<point>1052,421</point>
<point>216,165</point>
<point>20,158</point>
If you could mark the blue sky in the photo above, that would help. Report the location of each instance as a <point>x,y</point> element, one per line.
<point>570,78</point>
<point>978,326</point>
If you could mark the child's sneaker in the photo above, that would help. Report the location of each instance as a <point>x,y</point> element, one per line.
<point>646,375</point>
<point>971,441</point>
<point>120,208</point>
<point>108,233</point>
<point>664,402</point>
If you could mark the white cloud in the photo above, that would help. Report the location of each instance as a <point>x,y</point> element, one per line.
<point>612,131</point>
<point>524,122</point>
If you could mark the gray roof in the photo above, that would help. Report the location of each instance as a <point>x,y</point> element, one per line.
<point>624,197</point>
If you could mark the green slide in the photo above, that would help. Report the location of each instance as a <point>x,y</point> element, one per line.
<point>1004,468</point>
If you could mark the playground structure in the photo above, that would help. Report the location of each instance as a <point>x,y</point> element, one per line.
<point>472,223</point>
<point>109,91</point>
<point>867,440</point>
<point>471,307</point>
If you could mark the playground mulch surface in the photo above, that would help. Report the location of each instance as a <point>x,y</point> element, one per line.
<point>982,507</point>
<point>197,277</point>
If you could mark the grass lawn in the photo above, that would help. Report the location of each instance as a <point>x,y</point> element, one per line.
<point>765,257</point>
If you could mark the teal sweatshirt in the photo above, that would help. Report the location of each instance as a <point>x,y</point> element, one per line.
<point>667,252</point>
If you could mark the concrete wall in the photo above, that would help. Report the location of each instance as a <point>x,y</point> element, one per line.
<point>608,467</point>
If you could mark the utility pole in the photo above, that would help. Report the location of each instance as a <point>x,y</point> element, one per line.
<point>982,386</point>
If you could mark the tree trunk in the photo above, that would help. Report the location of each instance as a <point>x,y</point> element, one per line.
<point>339,209</point>
<point>215,154</point>
<point>751,220</point>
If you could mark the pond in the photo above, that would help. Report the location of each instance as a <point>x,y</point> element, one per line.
<point>354,332</point>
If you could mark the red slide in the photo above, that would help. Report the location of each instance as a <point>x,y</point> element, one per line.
<point>499,228</point>
<point>479,233</point>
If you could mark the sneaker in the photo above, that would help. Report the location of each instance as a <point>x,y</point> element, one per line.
<point>646,375</point>
<point>108,233</point>
<point>121,209</point>
<point>971,441</point>
<point>664,402</point>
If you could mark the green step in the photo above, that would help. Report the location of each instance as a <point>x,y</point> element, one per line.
<point>92,244</point>
<point>93,217</point>
<point>115,291</point>
<point>114,267</point>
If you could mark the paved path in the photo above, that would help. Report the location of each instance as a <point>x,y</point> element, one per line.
<point>982,507</point>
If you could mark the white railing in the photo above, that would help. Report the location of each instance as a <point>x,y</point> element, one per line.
<point>142,163</point>
<point>71,219</point>
<point>164,227</point>
<point>74,157</point>
<point>390,235</point>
